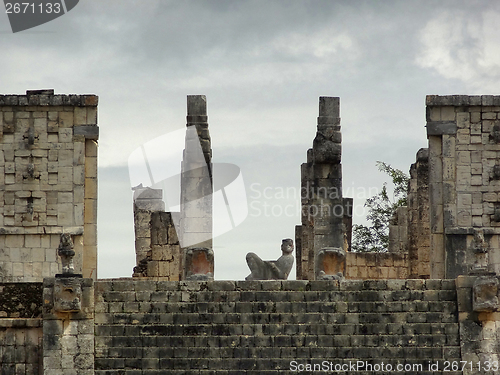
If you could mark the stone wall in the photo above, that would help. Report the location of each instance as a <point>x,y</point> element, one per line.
<point>157,248</point>
<point>20,346</point>
<point>479,321</point>
<point>146,201</point>
<point>376,266</point>
<point>21,328</point>
<point>464,179</point>
<point>21,300</point>
<point>48,174</point>
<point>224,327</point>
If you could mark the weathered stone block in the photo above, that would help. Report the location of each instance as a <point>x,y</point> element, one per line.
<point>196,105</point>
<point>326,151</point>
<point>67,295</point>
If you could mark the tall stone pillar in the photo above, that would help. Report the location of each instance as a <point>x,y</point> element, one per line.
<point>418,217</point>
<point>68,326</point>
<point>322,244</point>
<point>146,202</point>
<point>304,233</point>
<point>196,193</point>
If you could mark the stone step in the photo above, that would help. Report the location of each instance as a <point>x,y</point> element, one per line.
<point>317,306</point>
<point>274,285</point>
<point>312,349</point>
<point>270,319</point>
<point>184,297</point>
<point>298,330</point>
<point>227,327</point>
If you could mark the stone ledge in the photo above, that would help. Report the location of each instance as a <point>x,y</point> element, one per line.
<point>44,98</point>
<point>441,127</point>
<point>88,131</point>
<point>154,284</point>
<point>20,323</point>
<point>471,230</point>
<point>74,231</point>
<point>462,100</point>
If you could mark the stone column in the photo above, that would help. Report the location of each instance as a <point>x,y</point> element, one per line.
<point>304,234</point>
<point>348,211</point>
<point>323,208</point>
<point>398,231</point>
<point>196,193</point>
<point>68,326</point>
<point>479,319</point>
<point>418,217</point>
<point>146,201</point>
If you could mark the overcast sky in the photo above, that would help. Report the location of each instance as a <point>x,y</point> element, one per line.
<point>262,66</point>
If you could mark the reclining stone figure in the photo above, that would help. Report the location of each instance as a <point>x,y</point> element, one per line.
<point>271,269</point>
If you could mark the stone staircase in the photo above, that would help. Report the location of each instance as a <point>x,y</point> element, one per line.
<point>145,327</point>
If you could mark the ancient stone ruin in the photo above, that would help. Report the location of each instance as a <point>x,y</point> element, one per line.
<point>427,305</point>
<point>162,250</point>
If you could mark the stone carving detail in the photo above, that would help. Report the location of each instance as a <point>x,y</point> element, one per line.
<point>30,137</point>
<point>496,213</point>
<point>330,263</point>
<point>66,252</point>
<point>67,295</point>
<point>484,293</point>
<point>271,269</point>
<point>199,264</point>
<point>480,249</point>
<point>495,133</point>
<point>495,173</point>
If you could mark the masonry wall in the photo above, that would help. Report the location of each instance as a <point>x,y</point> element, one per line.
<point>376,266</point>
<point>464,179</point>
<point>227,327</point>
<point>479,330</point>
<point>48,174</point>
<point>21,329</point>
<point>20,346</point>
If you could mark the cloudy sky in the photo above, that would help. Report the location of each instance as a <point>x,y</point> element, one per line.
<point>262,65</point>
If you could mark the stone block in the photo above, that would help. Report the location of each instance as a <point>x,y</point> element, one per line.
<point>196,105</point>
<point>433,114</point>
<point>329,106</point>
<point>485,290</point>
<point>90,132</point>
<point>441,127</point>
<point>448,113</point>
<point>463,137</point>
<point>91,148</point>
